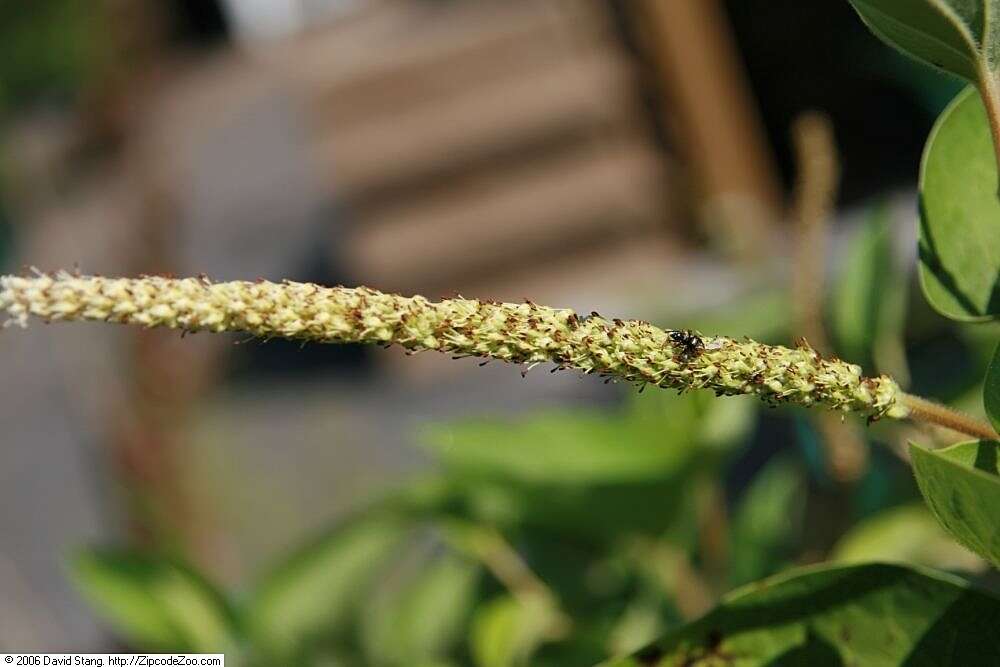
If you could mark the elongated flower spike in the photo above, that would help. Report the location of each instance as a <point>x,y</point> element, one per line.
<point>525,333</point>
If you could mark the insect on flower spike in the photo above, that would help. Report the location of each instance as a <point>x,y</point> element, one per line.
<point>521,333</point>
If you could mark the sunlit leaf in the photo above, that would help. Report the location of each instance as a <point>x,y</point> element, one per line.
<point>874,615</point>
<point>961,485</point>
<point>960,214</point>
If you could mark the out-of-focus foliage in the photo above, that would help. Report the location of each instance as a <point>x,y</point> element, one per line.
<point>558,496</point>
<point>155,602</point>
<point>868,301</point>
<point>316,592</point>
<point>905,534</point>
<point>766,523</point>
<point>48,48</point>
<point>568,537</point>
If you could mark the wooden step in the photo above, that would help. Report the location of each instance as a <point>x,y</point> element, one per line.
<point>604,189</point>
<point>593,92</point>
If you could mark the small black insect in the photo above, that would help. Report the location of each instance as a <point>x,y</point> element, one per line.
<point>690,344</point>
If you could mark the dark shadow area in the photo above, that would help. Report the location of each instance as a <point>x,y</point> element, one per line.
<point>816,652</point>
<point>882,104</point>
<point>964,634</point>
<point>986,457</point>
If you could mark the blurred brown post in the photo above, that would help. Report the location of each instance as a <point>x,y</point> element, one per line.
<point>713,110</point>
<point>167,376</point>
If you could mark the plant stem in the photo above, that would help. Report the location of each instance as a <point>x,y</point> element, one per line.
<point>817,178</point>
<point>929,412</point>
<point>989,91</point>
<point>817,183</point>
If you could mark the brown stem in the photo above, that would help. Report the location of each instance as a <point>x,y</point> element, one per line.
<point>990,94</point>
<point>817,184</point>
<point>818,176</point>
<point>929,412</point>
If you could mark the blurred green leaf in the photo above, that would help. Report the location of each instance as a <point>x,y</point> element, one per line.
<point>640,624</point>
<point>991,391</point>
<point>960,214</point>
<point>724,422</point>
<point>873,615</point>
<point>766,521</point>
<point>962,487</point>
<point>952,35</point>
<point>317,591</point>
<point>506,631</point>
<point>863,296</point>
<point>49,47</point>
<point>154,602</point>
<point>420,620</point>
<point>907,534</point>
<point>563,448</point>
<point>760,314</point>
<point>588,473</point>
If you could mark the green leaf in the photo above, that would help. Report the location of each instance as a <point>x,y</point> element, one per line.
<point>960,214</point>
<point>506,631</point>
<point>991,391</point>
<point>589,473</point>
<point>962,487</point>
<point>868,292</point>
<point>874,615</point>
<point>154,602</point>
<point>420,619</point>
<point>905,534</point>
<point>957,36</point>
<point>765,521</point>
<point>562,448</point>
<point>314,594</point>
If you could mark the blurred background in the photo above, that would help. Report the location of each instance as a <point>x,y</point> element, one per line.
<point>633,157</point>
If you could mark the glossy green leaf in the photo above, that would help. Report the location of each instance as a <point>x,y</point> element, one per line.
<point>991,391</point>
<point>506,631</point>
<point>868,295</point>
<point>961,485</point>
<point>874,615</point>
<point>421,618</point>
<point>905,534</point>
<point>318,590</point>
<point>153,602</point>
<point>957,36</point>
<point>960,214</point>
